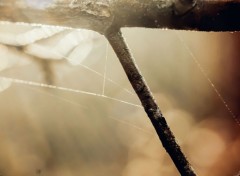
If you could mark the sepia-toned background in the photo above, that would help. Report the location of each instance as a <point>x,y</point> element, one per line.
<point>194,76</point>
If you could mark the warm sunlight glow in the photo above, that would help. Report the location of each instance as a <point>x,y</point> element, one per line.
<point>67,108</point>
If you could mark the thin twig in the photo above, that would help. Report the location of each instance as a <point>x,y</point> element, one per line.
<point>167,138</point>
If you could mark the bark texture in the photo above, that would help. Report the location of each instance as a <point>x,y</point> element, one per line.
<point>151,108</point>
<point>108,16</point>
<point>100,15</point>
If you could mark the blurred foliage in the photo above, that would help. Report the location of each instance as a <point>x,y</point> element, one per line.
<point>53,132</point>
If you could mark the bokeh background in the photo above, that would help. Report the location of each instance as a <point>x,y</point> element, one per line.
<point>52,132</point>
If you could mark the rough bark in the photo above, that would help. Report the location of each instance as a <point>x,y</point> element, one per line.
<point>100,15</point>
<point>108,16</point>
<point>148,102</point>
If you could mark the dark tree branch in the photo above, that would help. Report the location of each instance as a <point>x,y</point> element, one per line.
<point>166,136</point>
<point>108,16</point>
<point>99,15</point>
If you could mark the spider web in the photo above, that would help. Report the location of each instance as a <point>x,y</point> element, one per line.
<point>35,42</point>
<point>210,82</point>
<point>96,92</point>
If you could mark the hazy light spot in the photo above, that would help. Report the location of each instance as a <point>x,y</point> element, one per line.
<point>80,53</point>
<point>206,147</point>
<point>4,84</point>
<point>181,123</point>
<point>39,4</point>
<point>142,167</point>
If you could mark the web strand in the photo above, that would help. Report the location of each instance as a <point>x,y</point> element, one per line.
<point>57,97</point>
<point>105,70</point>
<point>204,73</point>
<point>36,84</point>
<point>54,52</point>
<point>97,73</point>
<point>133,126</point>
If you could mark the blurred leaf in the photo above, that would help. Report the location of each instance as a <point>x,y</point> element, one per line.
<point>49,42</point>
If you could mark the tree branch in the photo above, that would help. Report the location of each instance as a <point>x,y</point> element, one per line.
<point>99,15</point>
<point>166,136</point>
<point>108,16</point>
